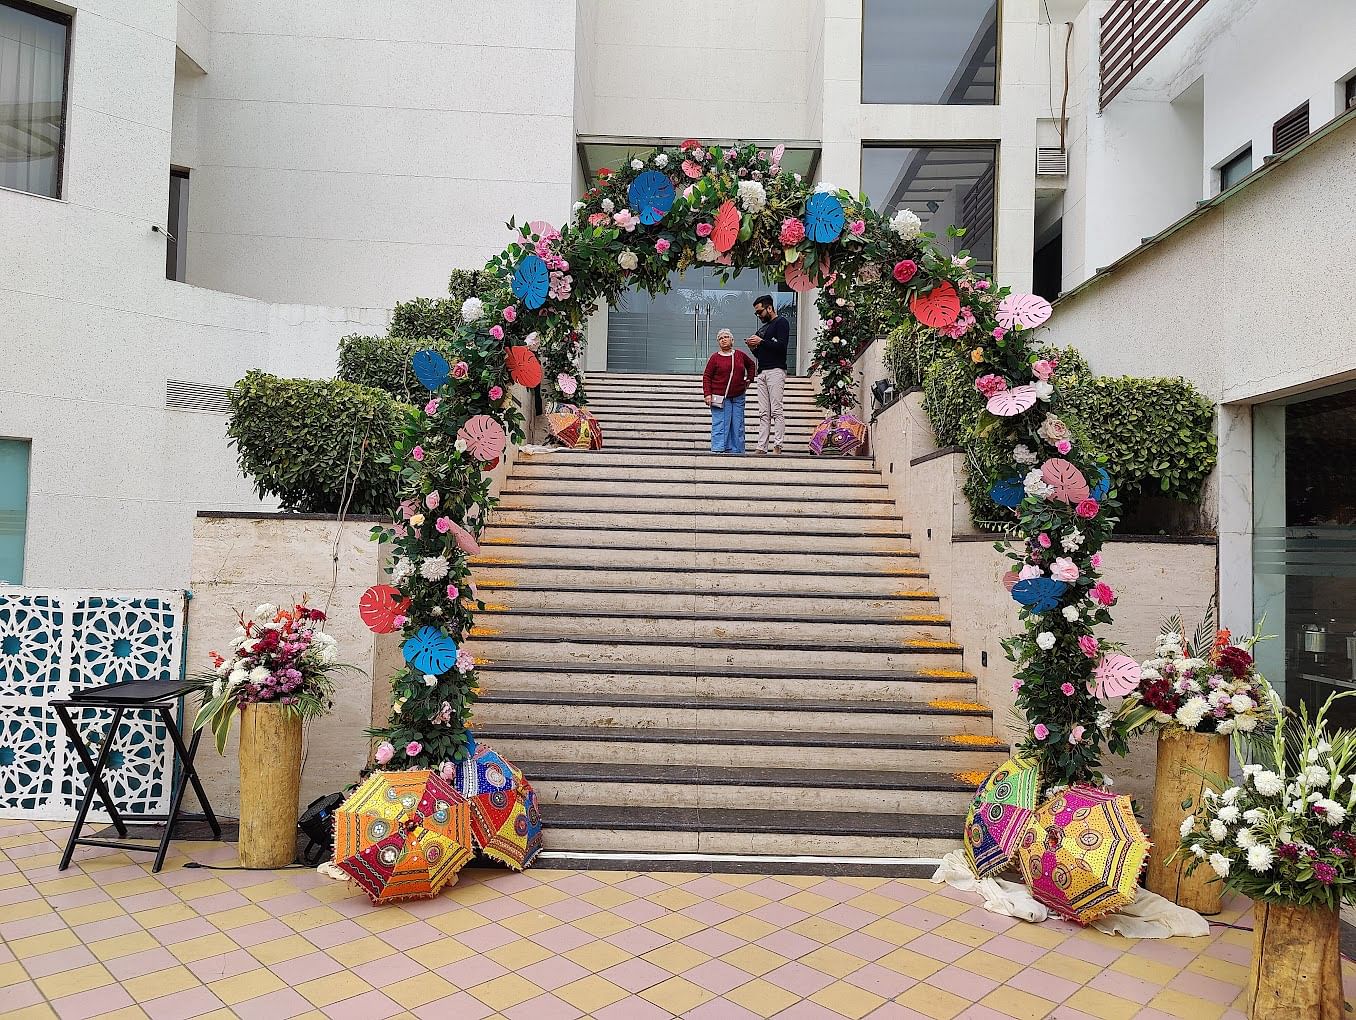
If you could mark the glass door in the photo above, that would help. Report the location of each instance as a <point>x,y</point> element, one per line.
<point>676,332</point>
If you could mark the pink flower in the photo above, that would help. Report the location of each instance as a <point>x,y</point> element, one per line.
<point>1087,509</point>
<point>448,771</point>
<point>792,232</point>
<point>384,753</point>
<point>999,332</point>
<point>1029,571</point>
<point>991,385</point>
<point>510,314</point>
<point>1064,569</point>
<point>1043,369</point>
<point>704,229</point>
<point>452,592</point>
<point>626,219</point>
<point>662,245</point>
<point>431,408</point>
<point>432,500</point>
<point>1041,731</point>
<point>496,392</point>
<point>1096,561</point>
<point>443,524</point>
<point>857,228</point>
<point>1076,735</point>
<point>1044,540</point>
<point>1067,689</point>
<point>1064,446</point>
<point>1088,645</point>
<point>497,331</point>
<point>460,370</point>
<point>413,748</point>
<point>400,531</point>
<point>417,453</point>
<point>905,269</point>
<point>1016,686</point>
<point>598,219</point>
<point>1103,594</point>
<point>981,285</point>
<point>408,508</point>
<point>691,169</point>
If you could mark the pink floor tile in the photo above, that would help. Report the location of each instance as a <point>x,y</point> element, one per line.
<point>513,882</point>
<point>771,889</point>
<point>181,931</point>
<point>1205,987</point>
<point>219,902</point>
<point>902,891</point>
<point>639,911</point>
<point>92,1003</point>
<point>863,946</point>
<point>981,1012</point>
<point>281,906</point>
<point>313,965</point>
<point>260,931</point>
<point>875,978</point>
<point>79,898</point>
<point>788,943</point>
<point>472,971</point>
<point>849,916</point>
<point>486,937</point>
<point>462,1006</point>
<point>551,974</point>
<point>636,975</point>
<point>279,1005</point>
<point>543,1007</point>
<point>214,968</point>
<point>962,982</point>
<point>96,931</point>
<point>917,917</point>
<point>40,924</point>
<point>570,910</point>
<point>19,894</point>
<point>563,938</point>
<point>25,993</point>
<point>411,936</point>
<point>639,940</point>
<point>336,933</point>
<point>714,942</point>
<point>798,978</point>
<point>709,913</point>
<point>633,1007</point>
<point>1241,955</point>
<point>1047,986</point>
<point>938,948</point>
<point>182,1005</point>
<point>577,885</point>
<point>368,1006</point>
<point>720,1009</point>
<point>388,970</point>
<point>780,914</point>
<point>718,976</point>
<point>807,1010</point>
<point>1165,952</point>
<point>246,879</point>
<point>1012,949</point>
<point>1125,986</point>
<point>642,885</point>
<point>61,960</point>
<point>978,917</point>
<point>146,901</point>
<point>894,1011</point>
<point>137,964</point>
<point>436,907</point>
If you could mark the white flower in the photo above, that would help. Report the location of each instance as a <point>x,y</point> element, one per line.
<point>707,252</point>
<point>402,569</point>
<point>1316,775</point>
<point>1246,723</point>
<point>1044,389</point>
<point>461,445</point>
<point>637,165</point>
<point>1070,613</point>
<point>472,309</point>
<point>1260,857</point>
<point>1072,541</point>
<point>1198,850</point>
<point>1188,825</point>
<point>1104,718</point>
<point>1225,726</point>
<point>1229,813</point>
<point>238,676</point>
<point>1218,831</point>
<point>434,568</point>
<point>1253,815</point>
<point>1333,812</point>
<point>825,186</point>
<point>752,196</point>
<point>430,680</point>
<point>661,159</point>
<point>259,674</point>
<point>1245,839</point>
<point>906,224</point>
<point>1045,640</point>
<point>1035,485</point>
<point>1190,714</point>
<point>1232,794</point>
<point>1022,455</point>
<point>1241,703</point>
<point>608,205</point>
<point>1221,865</point>
<point>1251,769</point>
<point>628,260</point>
<point>577,206</point>
<point>217,687</point>
<point>797,177</point>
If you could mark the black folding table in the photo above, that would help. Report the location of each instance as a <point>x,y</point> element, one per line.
<point>163,699</point>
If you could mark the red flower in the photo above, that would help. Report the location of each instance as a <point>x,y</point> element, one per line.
<point>1087,509</point>
<point>905,270</point>
<point>792,232</point>
<point>1234,660</point>
<point>689,143</point>
<point>604,173</point>
<point>1103,594</point>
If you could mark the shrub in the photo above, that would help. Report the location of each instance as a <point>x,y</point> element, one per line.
<point>464,283</point>
<point>951,401</point>
<point>307,442</point>
<point>426,318</point>
<point>384,363</point>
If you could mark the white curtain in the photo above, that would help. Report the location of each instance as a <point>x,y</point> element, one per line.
<point>32,86</point>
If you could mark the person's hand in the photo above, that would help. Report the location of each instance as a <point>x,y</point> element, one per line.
<point>753,341</point>
<point>706,400</point>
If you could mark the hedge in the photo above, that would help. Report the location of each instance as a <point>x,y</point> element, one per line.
<point>308,441</point>
<point>383,363</point>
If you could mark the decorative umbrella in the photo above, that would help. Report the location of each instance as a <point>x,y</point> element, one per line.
<point>574,427</point>
<point>845,433</point>
<point>403,835</point>
<point>505,820</point>
<point>1082,853</point>
<point>999,814</point>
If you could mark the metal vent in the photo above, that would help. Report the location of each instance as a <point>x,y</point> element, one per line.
<point>181,395</point>
<point>1052,162</point>
<point>1291,129</point>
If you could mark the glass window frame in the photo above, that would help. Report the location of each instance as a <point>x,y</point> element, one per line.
<point>997,67</point>
<point>1224,168</point>
<point>27,444</point>
<point>176,224</point>
<point>68,22</point>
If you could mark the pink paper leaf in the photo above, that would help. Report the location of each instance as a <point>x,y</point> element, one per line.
<point>1025,310</point>
<point>1011,578</point>
<point>484,437</point>
<point>1068,482</point>
<point>1117,676</point>
<point>799,280</point>
<point>1013,401</point>
<point>466,541</point>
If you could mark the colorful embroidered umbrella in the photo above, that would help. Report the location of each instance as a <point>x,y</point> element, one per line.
<point>845,433</point>
<point>1082,853</point>
<point>574,427</point>
<point>403,835</point>
<point>505,820</point>
<point>999,814</point>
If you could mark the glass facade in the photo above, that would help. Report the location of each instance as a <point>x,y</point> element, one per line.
<point>33,44</point>
<point>945,185</point>
<point>925,52</point>
<point>14,456</point>
<point>1304,546</point>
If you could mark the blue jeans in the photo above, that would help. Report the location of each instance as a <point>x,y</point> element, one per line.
<point>727,426</point>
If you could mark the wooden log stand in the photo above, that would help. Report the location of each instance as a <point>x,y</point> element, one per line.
<point>1296,964</point>
<point>270,785</point>
<point>1178,788</point>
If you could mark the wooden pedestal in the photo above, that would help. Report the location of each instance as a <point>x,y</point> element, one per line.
<point>1178,787</point>
<point>1296,964</point>
<point>270,785</point>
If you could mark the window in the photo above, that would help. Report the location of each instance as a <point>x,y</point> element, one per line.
<point>926,52</point>
<point>944,185</point>
<point>33,51</point>
<point>1349,93</point>
<point>1233,170</point>
<point>176,224</point>
<point>1291,129</point>
<point>13,508</point>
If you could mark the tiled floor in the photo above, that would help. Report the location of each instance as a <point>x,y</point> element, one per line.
<point>107,938</point>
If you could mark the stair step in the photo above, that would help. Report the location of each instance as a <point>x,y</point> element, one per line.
<point>756,492</point>
<point>728,470</point>
<point>489,577</point>
<point>735,521</point>
<point>689,501</point>
<point>731,560</point>
<point>705,459</point>
<point>578,615</point>
<point>730,604</point>
<point>522,536</point>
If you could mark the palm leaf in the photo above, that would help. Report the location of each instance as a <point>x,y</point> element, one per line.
<point>1173,625</point>
<point>1204,639</point>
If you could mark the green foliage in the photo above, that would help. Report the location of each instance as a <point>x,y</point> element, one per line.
<point>951,401</point>
<point>465,283</point>
<point>910,350</point>
<point>426,318</point>
<point>384,363</point>
<point>310,442</point>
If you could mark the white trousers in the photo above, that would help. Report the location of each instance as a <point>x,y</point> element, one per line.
<point>771,418</point>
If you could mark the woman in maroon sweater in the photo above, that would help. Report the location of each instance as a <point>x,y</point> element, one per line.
<point>728,374</point>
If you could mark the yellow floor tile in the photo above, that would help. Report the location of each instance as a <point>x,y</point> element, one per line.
<point>965,934</point>
<point>134,887</point>
<point>1220,970</point>
<point>238,917</point>
<point>677,995</point>
<point>1067,967</point>
<point>674,899</point>
<point>986,964</point>
<point>171,914</point>
<point>363,950</point>
<point>603,924</point>
<point>12,973</point>
<point>833,962</point>
<point>385,919</point>
<point>910,963</point>
<point>743,901</point>
<point>821,929</point>
<point>519,954</point>
<point>196,890</point>
<point>419,990</point>
<point>49,942</point>
<point>934,1002</point>
<point>1035,935</point>
<point>598,956</point>
<point>334,892</point>
<point>1017,1004</point>
<point>675,958</point>
<point>530,923</point>
<point>540,896</point>
<point>1188,1007</point>
<point>505,992</point>
<point>849,1000</point>
<point>162,982</point>
<point>1145,969</point>
<point>304,920</point>
<point>750,929</point>
<point>762,997</point>
<point>811,903</point>
<point>249,985</point>
<point>135,1012</point>
<point>439,954</point>
<point>1102,1005</point>
<point>91,912</point>
<point>268,890</point>
<point>39,1012</point>
<point>23,911</point>
<point>290,947</point>
<point>675,926</point>
<point>328,990</point>
<point>458,921</point>
<point>754,960</point>
<point>70,982</point>
<point>123,945</point>
<point>202,947</point>
<point>892,932</point>
<point>607,897</point>
<point>588,993</point>
<point>875,903</point>
<point>944,905</point>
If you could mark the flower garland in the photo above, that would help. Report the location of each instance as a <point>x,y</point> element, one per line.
<point>736,208</point>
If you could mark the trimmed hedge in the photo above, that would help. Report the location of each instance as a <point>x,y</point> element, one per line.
<point>426,319</point>
<point>383,363</point>
<point>306,441</point>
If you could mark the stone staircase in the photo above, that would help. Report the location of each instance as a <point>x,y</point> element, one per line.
<point>739,655</point>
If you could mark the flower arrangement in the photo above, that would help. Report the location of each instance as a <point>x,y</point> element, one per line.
<point>278,656</point>
<point>1287,832</point>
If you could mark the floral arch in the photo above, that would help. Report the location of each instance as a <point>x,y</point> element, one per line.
<point>736,208</point>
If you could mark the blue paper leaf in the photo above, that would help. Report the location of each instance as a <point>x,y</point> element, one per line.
<point>531,281</point>
<point>431,369</point>
<point>651,196</point>
<point>824,218</point>
<point>1039,594</point>
<point>1009,493</point>
<point>430,651</point>
<point>1102,487</point>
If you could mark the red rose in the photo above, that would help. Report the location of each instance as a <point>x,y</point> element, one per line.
<point>689,143</point>
<point>905,269</point>
<point>1088,509</point>
<point>605,173</point>
<point>1235,661</point>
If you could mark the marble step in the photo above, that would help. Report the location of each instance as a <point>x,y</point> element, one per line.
<point>751,556</point>
<point>511,536</point>
<point>728,519</point>
<point>752,577</point>
<point>725,602</point>
<point>514,498</point>
<point>640,460</point>
<point>749,492</point>
<point>755,471</point>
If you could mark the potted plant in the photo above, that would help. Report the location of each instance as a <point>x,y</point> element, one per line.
<point>278,675</point>
<point>1196,693</point>
<point>1285,837</point>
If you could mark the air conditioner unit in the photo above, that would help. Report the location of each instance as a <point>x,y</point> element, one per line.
<point>1052,163</point>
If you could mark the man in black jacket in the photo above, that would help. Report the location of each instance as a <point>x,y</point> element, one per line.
<point>769,346</point>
